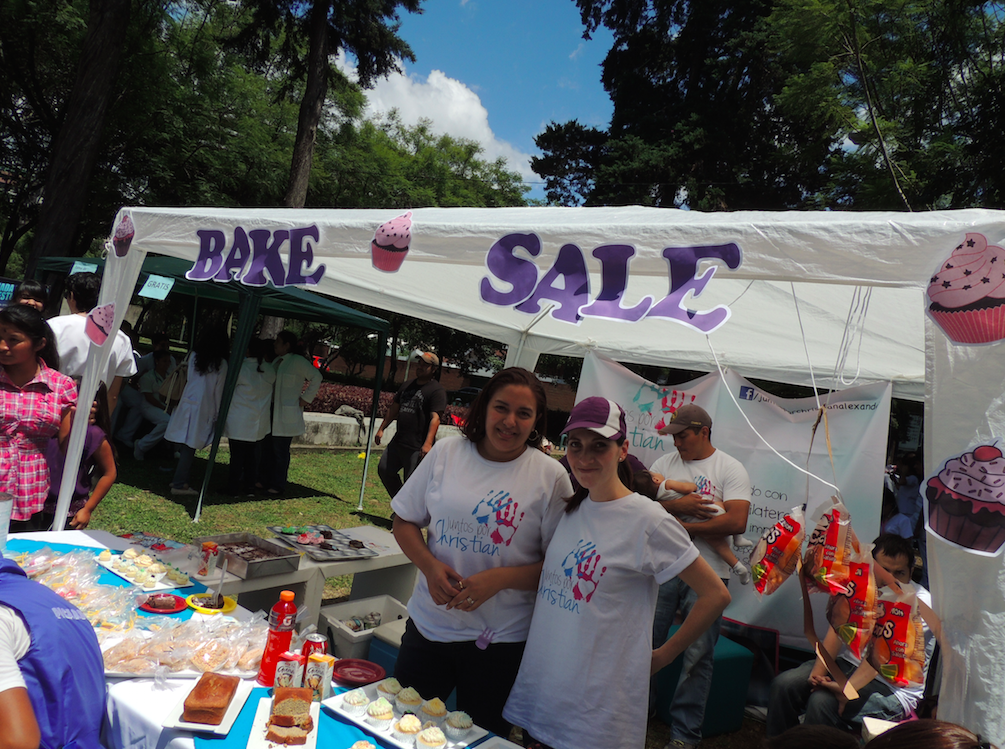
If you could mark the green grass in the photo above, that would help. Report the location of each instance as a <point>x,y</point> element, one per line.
<point>323,488</point>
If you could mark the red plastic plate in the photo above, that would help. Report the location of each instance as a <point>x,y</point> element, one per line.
<point>180,605</point>
<point>358,672</point>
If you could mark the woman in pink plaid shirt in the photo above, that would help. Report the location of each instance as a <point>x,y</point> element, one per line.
<point>35,404</point>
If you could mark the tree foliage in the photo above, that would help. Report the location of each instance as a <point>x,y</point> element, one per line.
<point>775,104</point>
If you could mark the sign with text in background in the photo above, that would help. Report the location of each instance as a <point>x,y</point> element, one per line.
<point>858,420</point>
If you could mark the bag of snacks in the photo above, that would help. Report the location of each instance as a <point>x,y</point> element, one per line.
<point>830,550</point>
<point>851,611</point>
<point>897,648</point>
<point>777,552</point>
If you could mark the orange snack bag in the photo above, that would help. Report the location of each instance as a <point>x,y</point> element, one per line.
<point>897,649</point>
<point>851,612</point>
<point>830,551</point>
<point>777,552</point>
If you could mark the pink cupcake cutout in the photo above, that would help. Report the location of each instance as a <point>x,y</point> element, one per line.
<point>99,323</point>
<point>391,242</point>
<point>123,236</point>
<point>966,499</point>
<point>968,292</point>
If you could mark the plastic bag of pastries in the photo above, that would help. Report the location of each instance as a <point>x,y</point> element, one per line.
<point>897,648</point>
<point>830,550</point>
<point>851,611</point>
<point>777,552</point>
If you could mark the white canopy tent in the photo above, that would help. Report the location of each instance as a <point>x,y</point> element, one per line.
<point>859,281</point>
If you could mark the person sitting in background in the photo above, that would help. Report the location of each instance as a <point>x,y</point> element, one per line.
<point>52,678</point>
<point>131,399</point>
<point>31,293</point>
<point>810,691</point>
<point>153,407</point>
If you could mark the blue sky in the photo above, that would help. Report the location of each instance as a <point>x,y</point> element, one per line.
<point>497,72</point>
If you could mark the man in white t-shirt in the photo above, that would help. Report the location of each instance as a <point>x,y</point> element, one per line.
<point>720,478</point>
<point>74,346</point>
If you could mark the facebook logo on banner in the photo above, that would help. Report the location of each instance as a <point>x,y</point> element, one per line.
<point>747,393</point>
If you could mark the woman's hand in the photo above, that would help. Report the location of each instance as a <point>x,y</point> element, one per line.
<point>476,590</point>
<point>442,580</point>
<point>81,519</point>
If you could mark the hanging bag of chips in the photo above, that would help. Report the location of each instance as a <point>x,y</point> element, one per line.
<point>897,648</point>
<point>831,547</point>
<point>851,611</point>
<point>777,552</point>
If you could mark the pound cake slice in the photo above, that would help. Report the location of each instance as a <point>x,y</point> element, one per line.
<point>290,719</point>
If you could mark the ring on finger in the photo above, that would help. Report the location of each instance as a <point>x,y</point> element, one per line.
<point>471,600</point>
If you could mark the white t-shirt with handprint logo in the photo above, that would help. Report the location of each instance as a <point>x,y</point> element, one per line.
<point>480,514</point>
<point>584,678</point>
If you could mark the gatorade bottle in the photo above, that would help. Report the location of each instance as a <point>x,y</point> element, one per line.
<point>281,621</point>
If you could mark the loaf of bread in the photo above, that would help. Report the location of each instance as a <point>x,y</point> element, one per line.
<point>209,699</point>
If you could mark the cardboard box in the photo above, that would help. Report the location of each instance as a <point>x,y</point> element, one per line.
<point>348,644</point>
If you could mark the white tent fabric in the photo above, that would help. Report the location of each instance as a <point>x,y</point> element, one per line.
<point>825,254</point>
<point>454,268</point>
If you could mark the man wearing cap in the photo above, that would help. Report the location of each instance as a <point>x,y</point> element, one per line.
<point>418,406</point>
<point>719,478</point>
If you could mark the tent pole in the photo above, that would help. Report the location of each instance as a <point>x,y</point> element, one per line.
<point>525,332</point>
<point>249,303</point>
<point>378,377</point>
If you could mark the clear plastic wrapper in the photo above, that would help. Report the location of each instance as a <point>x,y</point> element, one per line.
<point>897,648</point>
<point>831,548</point>
<point>851,611</point>
<point>777,552</point>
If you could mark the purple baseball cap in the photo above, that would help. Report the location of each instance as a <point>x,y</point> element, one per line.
<point>600,415</point>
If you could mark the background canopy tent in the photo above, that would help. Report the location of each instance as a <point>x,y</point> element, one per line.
<point>287,302</point>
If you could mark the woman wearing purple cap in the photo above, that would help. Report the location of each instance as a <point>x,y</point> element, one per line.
<point>584,679</point>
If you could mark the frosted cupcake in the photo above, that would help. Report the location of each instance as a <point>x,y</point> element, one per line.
<point>123,236</point>
<point>409,700</point>
<point>433,710</point>
<point>389,689</point>
<point>457,725</point>
<point>99,323</point>
<point>407,728</point>
<point>430,738</point>
<point>130,553</point>
<point>391,242</point>
<point>379,714</point>
<point>355,702</point>
<point>105,556</point>
<point>967,293</point>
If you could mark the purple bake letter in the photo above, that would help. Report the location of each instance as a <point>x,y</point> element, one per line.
<point>212,243</point>
<point>266,257</point>
<point>302,255</point>
<point>237,258</point>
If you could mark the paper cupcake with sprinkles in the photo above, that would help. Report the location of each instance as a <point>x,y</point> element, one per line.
<point>967,293</point>
<point>966,499</point>
<point>391,242</point>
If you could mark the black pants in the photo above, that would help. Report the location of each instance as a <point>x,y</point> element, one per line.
<point>483,678</point>
<point>243,467</point>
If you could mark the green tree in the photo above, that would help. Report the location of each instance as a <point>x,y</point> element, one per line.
<point>307,36</point>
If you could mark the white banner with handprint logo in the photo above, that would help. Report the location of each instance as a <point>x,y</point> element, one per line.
<point>858,421</point>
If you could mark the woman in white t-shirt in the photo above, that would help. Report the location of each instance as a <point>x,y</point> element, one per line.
<point>584,679</point>
<point>489,502</point>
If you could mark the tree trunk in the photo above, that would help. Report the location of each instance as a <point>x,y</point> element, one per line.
<point>76,148</point>
<point>311,107</point>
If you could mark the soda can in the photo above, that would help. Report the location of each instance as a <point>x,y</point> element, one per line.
<point>315,643</point>
<point>290,670</point>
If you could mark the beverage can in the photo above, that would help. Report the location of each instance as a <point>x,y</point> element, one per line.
<point>315,643</point>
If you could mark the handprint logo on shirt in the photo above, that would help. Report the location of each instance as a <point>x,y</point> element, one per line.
<point>499,511</point>
<point>585,560</point>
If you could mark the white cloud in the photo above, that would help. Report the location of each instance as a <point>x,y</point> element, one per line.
<point>452,107</point>
<point>578,51</point>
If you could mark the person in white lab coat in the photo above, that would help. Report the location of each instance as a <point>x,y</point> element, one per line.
<point>193,421</point>
<point>297,382</point>
<point>248,419</point>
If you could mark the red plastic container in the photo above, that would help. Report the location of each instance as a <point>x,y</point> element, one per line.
<point>281,622</point>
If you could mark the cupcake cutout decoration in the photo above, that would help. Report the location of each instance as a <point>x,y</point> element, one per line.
<point>966,500</point>
<point>391,242</point>
<point>99,323</point>
<point>123,236</point>
<point>968,292</point>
